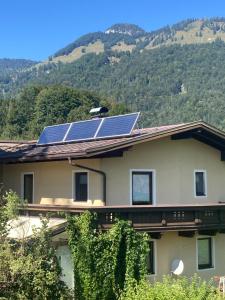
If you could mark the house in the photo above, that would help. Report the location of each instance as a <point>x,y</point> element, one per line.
<point>168,180</point>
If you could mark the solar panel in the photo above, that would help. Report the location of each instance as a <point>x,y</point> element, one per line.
<point>53,134</point>
<point>83,130</point>
<point>90,129</point>
<point>117,125</point>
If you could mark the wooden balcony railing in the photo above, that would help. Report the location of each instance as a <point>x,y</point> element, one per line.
<point>148,218</point>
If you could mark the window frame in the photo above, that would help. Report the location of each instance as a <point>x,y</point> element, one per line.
<point>210,266</point>
<point>153,171</point>
<point>154,258</point>
<point>22,185</point>
<point>74,186</point>
<point>205,183</point>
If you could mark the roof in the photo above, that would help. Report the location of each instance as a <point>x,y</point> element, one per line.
<point>8,145</point>
<point>24,226</point>
<point>28,151</point>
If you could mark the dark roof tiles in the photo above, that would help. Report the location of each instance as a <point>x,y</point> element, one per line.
<point>29,151</point>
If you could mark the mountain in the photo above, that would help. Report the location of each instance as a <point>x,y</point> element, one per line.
<point>128,37</point>
<point>7,64</point>
<point>9,68</point>
<point>125,28</point>
<point>174,74</point>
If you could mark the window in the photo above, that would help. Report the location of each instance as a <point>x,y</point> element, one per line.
<point>28,187</point>
<point>142,187</point>
<point>151,258</point>
<point>81,186</point>
<point>200,183</point>
<point>205,249</point>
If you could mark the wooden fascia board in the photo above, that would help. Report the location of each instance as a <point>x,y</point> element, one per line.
<point>159,135</point>
<point>120,145</point>
<point>141,139</point>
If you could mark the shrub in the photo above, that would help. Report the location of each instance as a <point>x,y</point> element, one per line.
<point>29,269</point>
<point>172,289</point>
<point>105,262</point>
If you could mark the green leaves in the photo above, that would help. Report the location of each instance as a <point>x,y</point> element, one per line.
<point>172,289</point>
<point>29,269</point>
<point>105,262</point>
<point>39,106</point>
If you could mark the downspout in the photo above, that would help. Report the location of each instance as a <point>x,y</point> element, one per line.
<point>103,174</point>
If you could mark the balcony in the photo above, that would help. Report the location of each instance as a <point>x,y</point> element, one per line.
<point>148,218</point>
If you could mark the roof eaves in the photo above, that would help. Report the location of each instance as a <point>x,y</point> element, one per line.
<point>156,135</point>
<point>137,139</point>
<point>141,138</point>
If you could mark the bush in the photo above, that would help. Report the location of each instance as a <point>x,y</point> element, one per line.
<point>29,269</point>
<point>173,289</point>
<point>105,262</point>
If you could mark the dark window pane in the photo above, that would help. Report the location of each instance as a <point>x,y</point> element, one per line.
<point>150,259</point>
<point>200,184</point>
<point>81,186</point>
<point>28,187</point>
<point>204,253</point>
<point>142,187</point>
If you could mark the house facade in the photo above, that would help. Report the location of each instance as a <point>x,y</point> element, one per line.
<point>168,181</point>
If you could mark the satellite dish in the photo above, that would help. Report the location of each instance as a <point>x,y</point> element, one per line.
<point>177,267</point>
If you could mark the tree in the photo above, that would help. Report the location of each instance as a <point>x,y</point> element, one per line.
<point>21,112</point>
<point>105,262</point>
<point>29,269</point>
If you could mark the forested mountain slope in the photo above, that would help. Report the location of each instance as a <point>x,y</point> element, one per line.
<point>174,74</point>
<point>9,68</point>
<point>170,84</point>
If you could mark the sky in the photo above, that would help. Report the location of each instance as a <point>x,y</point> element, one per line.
<point>36,29</point>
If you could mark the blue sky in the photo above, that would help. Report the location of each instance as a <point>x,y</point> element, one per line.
<point>35,29</point>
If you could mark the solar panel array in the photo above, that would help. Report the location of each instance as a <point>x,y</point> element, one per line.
<point>53,134</point>
<point>117,125</point>
<point>90,129</point>
<point>82,130</point>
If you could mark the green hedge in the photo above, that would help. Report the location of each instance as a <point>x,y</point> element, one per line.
<point>173,289</point>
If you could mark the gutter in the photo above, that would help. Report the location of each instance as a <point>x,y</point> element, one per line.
<point>103,174</point>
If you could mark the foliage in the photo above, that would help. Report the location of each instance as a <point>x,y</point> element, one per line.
<point>39,106</point>
<point>172,289</point>
<point>172,84</point>
<point>8,210</point>
<point>105,262</point>
<point>15,64</point>
<point>9,69</point>
<point>169,85</point>
<point>121,32</point>
<point>29,269</point>
<point>20,112</point>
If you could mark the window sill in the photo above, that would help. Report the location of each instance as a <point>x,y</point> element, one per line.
<point>142,203</point>
<point>206,269</point>
<point>80,201</point>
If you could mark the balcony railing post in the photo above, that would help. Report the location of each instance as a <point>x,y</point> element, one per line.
<point>164,221</point>
<point>219,214</point>
<point>197,217</point>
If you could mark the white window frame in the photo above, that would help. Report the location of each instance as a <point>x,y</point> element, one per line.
<point>153,184</point>
<point>205,183</point>
<point>212,251</point>
<point>155,257</point>
<point>22,184</point>
<point>74,187</point>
